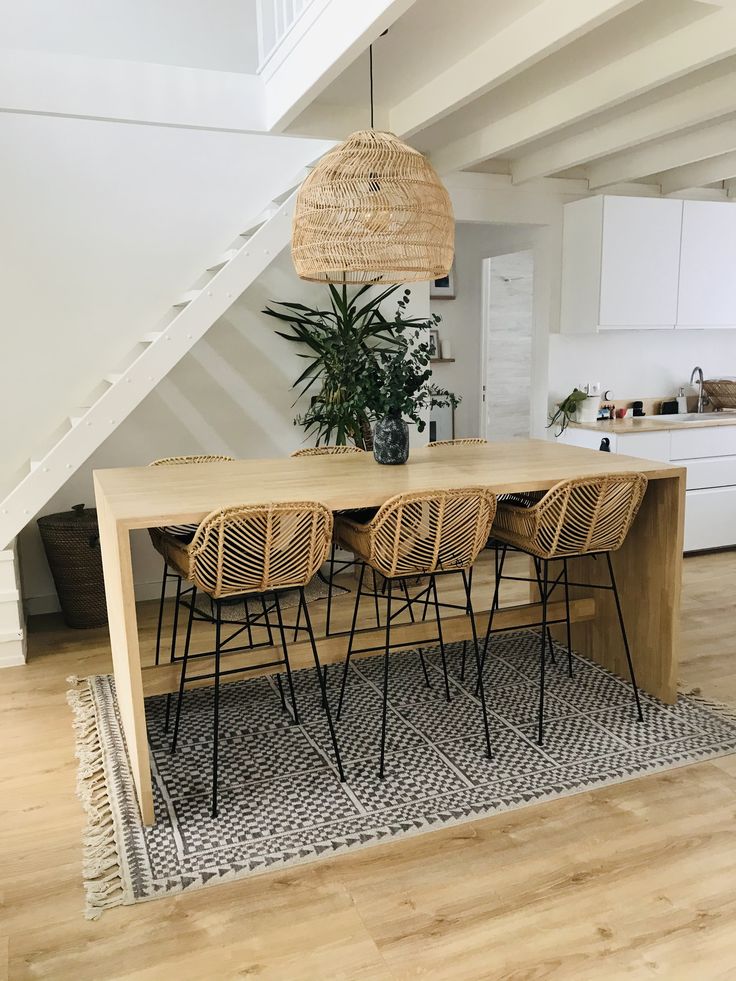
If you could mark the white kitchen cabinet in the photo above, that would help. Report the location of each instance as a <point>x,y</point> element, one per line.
<point>707,295</point>
<point>621,260</point>
<point>710,518</point>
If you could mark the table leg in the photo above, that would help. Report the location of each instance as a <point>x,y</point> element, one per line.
<point>126,659</point>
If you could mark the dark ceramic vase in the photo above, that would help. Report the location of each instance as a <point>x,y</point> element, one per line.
<point>391,440</point>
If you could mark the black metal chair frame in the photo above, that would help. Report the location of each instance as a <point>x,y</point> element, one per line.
<point>546,588</point>
<point>387,647</point>
<point>223,646</point>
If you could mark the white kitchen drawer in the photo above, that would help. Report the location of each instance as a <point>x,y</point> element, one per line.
<point>710,518</point>
<point>691,444</point>
<point>718,471</point>
<point>646,446</point>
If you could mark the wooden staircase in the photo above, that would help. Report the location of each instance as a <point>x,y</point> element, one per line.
<point>155,354</point>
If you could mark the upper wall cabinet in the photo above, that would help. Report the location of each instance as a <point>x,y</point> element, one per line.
<point>621,261</point>
<point>708,265</point>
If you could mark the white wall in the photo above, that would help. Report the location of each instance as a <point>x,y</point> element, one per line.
<point>637,363</point>
<point>216,34</point>
<point>105,225</point>
<point>231,394</point>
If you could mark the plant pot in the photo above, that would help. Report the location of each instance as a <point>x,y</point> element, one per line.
<point>391,441</point>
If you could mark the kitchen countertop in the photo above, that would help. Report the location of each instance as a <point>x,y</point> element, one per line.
<point>649,424</point>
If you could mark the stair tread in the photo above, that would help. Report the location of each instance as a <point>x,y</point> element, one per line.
<point>224,259</point>
<point>187,297</point>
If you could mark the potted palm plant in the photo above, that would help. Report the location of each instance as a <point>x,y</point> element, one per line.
<point>355,372</point>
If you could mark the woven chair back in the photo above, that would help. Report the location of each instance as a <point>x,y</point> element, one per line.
<point>589,514</point>
<point>327,450</point>
<point>424,532</point>
<point>181,531</point>
<point>259,548</point>
<point>465,441</point>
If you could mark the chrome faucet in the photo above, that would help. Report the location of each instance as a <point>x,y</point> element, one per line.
<point>702,397</point>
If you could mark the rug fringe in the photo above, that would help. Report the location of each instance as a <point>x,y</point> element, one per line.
<point>101,871</point>
<point>719,708</point>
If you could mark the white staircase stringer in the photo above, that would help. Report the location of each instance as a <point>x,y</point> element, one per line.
<point>128,388</point>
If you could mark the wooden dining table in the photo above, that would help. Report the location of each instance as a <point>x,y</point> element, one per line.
<point>648,566</point>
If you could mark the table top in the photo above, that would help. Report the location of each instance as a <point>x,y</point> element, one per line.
<point>141,497</point>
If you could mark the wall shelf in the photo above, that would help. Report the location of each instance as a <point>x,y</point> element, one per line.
<point>441,360</point>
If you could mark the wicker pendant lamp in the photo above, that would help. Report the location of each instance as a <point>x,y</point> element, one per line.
<point>373,210</point>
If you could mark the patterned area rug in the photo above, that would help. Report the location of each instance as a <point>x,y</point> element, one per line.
<point>281,802</point>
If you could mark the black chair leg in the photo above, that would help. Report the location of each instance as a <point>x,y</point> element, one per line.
<point>162,601</point>
<point>495,600</point>
<point>187,642</point>
<point>375,598</point>
<point>284,646</point>
<point>494,606</point>
<point>386,655</point>
<point>216,721</point>
<point>409,601</point>
<point>346,667</point>
<point>640,714</point>
<point>321,682</point>
<point>175,627</point>
<point>567,619</point>
<point>476,651</point>
<point>538,567</point>
<point>467,583</point>
<point>543,653</point>
<point>330,588</point>
<point>433,584</point>
<point>423,663</point>
<point>182,680</point>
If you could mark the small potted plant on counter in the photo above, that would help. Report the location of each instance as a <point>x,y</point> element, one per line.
<point>565,410</point>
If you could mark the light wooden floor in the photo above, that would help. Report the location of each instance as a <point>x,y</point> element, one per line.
<point>634,881</point>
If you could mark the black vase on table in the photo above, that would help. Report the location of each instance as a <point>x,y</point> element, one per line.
<point>391,440</point>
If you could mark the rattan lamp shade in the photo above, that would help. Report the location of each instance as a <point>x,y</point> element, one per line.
<point>373,210</point>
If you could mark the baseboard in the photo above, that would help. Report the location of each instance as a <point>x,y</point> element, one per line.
<point>36,605</point>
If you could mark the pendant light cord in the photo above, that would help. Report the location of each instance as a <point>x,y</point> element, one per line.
<point>370,73</point>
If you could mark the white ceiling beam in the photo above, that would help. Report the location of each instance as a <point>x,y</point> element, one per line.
<point>336,36</point>
<point>657,157</point>
<point>699,44</point>
<point>720,168</point>
<point>538,33</point>
<point>697,105</point>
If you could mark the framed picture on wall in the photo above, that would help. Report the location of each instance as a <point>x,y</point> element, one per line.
<point>444,288</point>
<point>434,344</point>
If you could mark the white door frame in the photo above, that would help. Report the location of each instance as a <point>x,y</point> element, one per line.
<point>485,323</point>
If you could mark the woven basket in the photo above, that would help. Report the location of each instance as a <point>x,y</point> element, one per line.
<point>721,392</point>
<point>373,210</point>
<point>72,543</point>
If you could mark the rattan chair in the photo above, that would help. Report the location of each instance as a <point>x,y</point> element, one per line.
<point>335,566</point>
<point>159,538</point>
<point>329,450</point>
<point>588,516</point>
<point>465,441</point>
<point>254,552</point>
<point>418,534</point>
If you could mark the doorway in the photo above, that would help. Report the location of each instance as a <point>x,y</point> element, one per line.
<point>506,348</point>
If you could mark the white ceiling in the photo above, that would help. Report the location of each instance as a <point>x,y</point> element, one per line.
<point>640,87</point>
